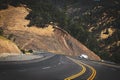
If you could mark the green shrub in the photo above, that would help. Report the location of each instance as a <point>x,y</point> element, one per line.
<point>1,31</point>
<point>30,51</point>
<point>23,51</point>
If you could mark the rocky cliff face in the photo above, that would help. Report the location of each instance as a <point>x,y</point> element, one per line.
<point>8,48</point>
<point>52,39</point>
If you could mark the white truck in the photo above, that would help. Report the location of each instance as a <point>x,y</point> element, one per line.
<point>83,56</point>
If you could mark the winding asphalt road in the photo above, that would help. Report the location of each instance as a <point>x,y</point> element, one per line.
<point>59,67</point>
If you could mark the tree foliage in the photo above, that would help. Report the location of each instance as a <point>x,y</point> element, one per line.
<point>57,11</point>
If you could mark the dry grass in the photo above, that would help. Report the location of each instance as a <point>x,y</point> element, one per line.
<point>105,36</point>
<point>46,39</point>
<point>13,19</point>
<point>6,46</point>
<point>3,38</point>
<point>47,31</point>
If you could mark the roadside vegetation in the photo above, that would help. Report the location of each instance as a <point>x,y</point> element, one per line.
<point>86,25</point>
<point>1,31</point>
<point>27,51</point>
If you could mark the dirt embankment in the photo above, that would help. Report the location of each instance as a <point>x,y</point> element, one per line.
<point>73,46</point>
<point>52,39</point>
<point>8,48</point>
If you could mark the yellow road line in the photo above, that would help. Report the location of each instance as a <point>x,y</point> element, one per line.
<point>78,74</point>
<point>91,77</point>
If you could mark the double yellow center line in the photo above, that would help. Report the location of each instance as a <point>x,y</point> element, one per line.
<point>91,77</point>
<point>78,74</point>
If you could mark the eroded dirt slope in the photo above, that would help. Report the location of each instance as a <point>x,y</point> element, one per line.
<point>52,39</point>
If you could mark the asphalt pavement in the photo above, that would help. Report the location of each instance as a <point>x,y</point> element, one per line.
<point>59,67</point>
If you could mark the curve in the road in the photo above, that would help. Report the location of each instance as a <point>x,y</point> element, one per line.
<point>93,71</point>
<point>78,74</point>
<point>92,76</point>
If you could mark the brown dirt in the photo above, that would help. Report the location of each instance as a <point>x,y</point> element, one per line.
<point>49,39</point>
<point>8,48</point>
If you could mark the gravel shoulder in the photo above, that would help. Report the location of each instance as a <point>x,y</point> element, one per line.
<point>26,58</point>
<point>20,57</point>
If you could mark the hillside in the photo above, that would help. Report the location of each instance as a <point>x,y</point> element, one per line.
<point>98,22</point>
<point>95,23</point>
<point>8,48</point>
<point>50,38</point>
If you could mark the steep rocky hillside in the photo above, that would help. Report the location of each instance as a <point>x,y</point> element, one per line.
<point>8,48</point>
<point>50,38</point>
